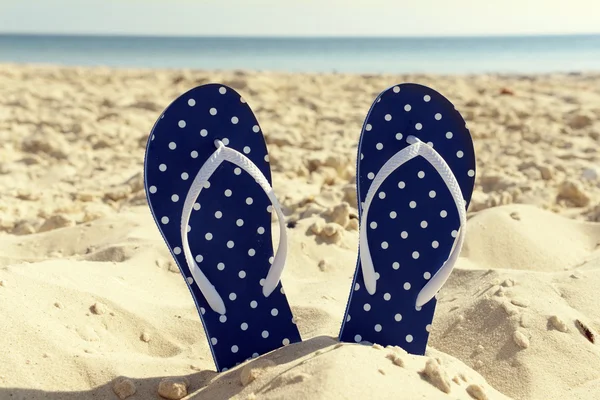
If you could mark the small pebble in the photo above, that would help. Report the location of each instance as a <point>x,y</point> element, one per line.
<point>340,214</point>
<point>331,229</point>
<point>508,283</point>
<point>574,192</point>
<point>581,120</point>
<point>546,172</point>
<point>124,388</point>
<point>323,265</point>
<point>520,302</point>
<point>437,376</point>
<point>381,371</point>
<point>145,337</point>
<point>521,340</point>
<point>558,324</point>
<point>173,388</point>
<point>98,308</point>
<point>3,283</point>
<point>395,359</point>
<point>58,304</point>
<point>509,309</point>
<point>317,227</point>
<point>476,392</point>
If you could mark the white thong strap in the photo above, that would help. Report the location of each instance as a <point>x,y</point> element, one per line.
<point>223,153</point>
<point>416,148</point>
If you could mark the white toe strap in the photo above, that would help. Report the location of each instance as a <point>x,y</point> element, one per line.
<point>417,148</point>
<point>224,153</point>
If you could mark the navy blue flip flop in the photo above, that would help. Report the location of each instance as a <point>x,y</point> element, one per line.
<point>415,176</point>
<point>208,185</point>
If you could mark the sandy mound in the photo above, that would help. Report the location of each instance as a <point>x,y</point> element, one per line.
<point>522,323</point>
<point>121,309</point>
<point>321,368</point>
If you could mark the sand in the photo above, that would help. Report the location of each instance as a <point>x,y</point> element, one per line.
<point>92,305</point>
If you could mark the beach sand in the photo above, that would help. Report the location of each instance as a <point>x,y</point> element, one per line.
<point>93,306</point>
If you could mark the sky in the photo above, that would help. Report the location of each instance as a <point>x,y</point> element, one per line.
<point>301,17</point>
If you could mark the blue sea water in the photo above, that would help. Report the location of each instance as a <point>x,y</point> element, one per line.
<point>448,55</point>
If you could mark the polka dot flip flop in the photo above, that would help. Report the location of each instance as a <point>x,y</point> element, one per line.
<point>416,171</point>
<point>207,179</point>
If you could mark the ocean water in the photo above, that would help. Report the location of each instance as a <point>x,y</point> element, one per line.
<point>447,55</point>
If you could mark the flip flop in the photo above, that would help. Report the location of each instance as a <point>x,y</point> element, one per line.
<point>215,217</point>
<point>415,177</point>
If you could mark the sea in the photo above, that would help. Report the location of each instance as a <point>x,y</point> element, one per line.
<point>367,55</point>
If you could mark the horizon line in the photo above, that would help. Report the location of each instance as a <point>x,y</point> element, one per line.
<point>285,36</point>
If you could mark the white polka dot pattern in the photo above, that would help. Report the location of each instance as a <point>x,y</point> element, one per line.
<point>230,225</point>
<point>415,220</point>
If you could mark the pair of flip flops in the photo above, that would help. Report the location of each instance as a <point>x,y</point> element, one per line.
<point>208,184</point>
